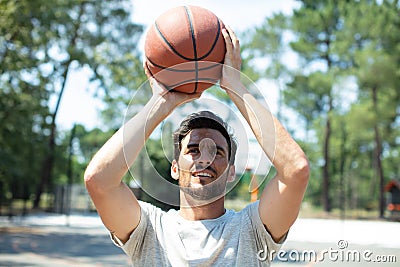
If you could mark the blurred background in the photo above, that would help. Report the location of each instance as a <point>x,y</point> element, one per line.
<point>329,70</point>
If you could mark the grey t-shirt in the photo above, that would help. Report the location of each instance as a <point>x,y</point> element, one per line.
<point>166,239</point>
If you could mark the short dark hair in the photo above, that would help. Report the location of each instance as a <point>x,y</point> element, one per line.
<point>209,120</point>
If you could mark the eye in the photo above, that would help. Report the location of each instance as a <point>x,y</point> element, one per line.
<point>220,152</point>
<point>193,150</point>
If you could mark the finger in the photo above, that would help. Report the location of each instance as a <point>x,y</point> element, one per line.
<point>230,31</point>
<point>234,39</point>
<point>228,41</point>
<point>146,69</point>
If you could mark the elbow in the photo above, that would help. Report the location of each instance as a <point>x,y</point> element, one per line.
<point>302,171</point>
<point>88,177</point>
<point>91,179</point>
<point>297,173</point>
<point>96,181</point>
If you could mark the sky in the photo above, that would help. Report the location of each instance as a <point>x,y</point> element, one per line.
<point>238,14</point>
<point>78,104</point>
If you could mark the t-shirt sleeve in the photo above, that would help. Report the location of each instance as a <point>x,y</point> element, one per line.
<point>264,240</point>
<point>136,238</point>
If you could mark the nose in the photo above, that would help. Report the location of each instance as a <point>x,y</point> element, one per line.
<point>208,150</point>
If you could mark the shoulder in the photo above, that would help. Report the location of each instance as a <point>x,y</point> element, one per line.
<point>251,215</point>
<point>148,207</point>
<point>258,226</point>
<point>151,212</point>
<point>251,210</point>
<point>150,215</point>
<point>247,218</point>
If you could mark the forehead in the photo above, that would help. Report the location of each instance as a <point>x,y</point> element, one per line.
<point>196,135</point>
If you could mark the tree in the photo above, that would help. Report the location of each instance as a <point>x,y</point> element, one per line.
<point>376,75</point>
<point>316,25</point>
<point>375,54</point>
<point>342,52</point>
<point>44,41</point>
<point>22,113</point>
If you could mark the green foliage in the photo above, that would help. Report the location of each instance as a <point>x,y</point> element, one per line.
<point>40,43</point>
<point>346,83</point>
<point>345,90</point>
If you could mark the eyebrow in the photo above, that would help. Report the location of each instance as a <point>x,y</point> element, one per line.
<point>191,145</point>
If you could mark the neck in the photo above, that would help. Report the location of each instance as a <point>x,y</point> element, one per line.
<point>195,210</point>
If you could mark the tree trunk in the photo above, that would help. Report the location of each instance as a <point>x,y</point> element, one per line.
<point>326,200</point>
<point>47,167</point>
<point>70,171</point>
<point>48,162</point>
<point>342,200</point>
<point>377,155</point>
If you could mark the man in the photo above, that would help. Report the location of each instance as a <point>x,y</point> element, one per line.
<point>202,232</point>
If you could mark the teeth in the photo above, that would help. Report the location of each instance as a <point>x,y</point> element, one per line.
<point>203,174</point>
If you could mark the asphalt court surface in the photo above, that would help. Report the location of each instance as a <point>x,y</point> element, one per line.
<point>57,240</point>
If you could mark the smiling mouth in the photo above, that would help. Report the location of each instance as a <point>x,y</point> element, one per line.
<point>202,175</point>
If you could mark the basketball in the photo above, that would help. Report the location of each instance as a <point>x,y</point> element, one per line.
<point>185,49</point>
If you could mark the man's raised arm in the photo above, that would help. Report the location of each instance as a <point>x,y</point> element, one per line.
<point>281,199</point>
<point>114,201</point>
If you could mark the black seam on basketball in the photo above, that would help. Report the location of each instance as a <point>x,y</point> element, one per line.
<point>170,45</point>
<point>188,14</point>
<point>210,80</point>
<point>147,66</point>
<point>215,41</point>
<point>193,70</point>
<point>155,64</point>
<point>214,64</point>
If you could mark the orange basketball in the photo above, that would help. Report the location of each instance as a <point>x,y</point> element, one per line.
<point>184,49</point>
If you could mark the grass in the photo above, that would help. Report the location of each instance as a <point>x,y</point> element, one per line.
<point>309,211</point>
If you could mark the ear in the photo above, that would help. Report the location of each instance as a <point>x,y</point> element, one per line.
<point>231,173</point>
<point>175,170</point>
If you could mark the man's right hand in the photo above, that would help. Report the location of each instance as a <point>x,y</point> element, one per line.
<point>172,99</point>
